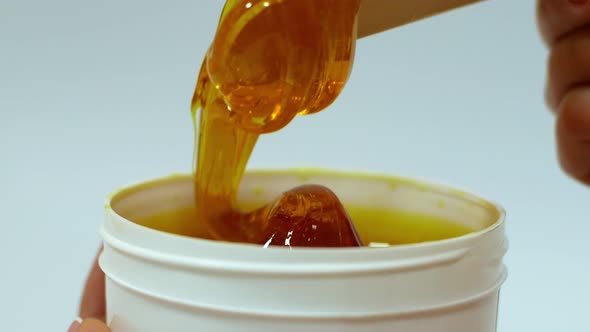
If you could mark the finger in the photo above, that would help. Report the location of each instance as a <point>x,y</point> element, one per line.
<point>93,297</point>
<point>573,133</point>
<point>557,18</point>
<point>93,325</point>
<point>569,66</point>
<point>75,326</point>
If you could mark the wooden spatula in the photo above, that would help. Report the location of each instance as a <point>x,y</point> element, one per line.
<point>379,15</point>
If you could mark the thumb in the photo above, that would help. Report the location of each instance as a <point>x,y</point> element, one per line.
<point>93,298</point>
<point>88,325</point>
<point>573,133</point>
<point>93,325</point>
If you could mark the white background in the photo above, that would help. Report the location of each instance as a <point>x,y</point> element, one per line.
<point>95,95</point>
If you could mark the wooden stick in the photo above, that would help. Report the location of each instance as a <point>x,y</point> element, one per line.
<point>379,15</point>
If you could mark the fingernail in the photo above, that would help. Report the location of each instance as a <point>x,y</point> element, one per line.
<point>75,326</point>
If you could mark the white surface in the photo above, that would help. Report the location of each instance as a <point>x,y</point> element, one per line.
<point>212,286</point>
<point>94,95</point>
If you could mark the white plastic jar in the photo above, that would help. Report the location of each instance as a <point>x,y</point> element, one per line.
<point>157,281</point>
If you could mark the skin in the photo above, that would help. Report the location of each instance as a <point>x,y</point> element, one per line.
<point>92,304</point>
<point>564,26</point>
